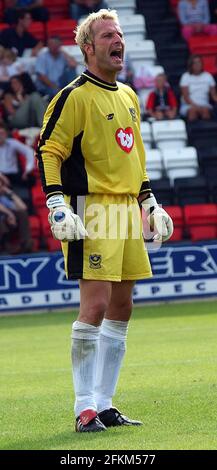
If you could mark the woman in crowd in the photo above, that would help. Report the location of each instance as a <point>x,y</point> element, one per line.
<point>194,16</point>
<point>197,87</point>
<point>23,105</point>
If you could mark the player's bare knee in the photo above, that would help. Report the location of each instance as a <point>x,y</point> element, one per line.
<point>120,311</point>
<point>94,312</point>
<point>125,307</point>
<point>99,307</point>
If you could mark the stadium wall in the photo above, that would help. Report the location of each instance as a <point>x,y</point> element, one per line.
<point>38,281</point>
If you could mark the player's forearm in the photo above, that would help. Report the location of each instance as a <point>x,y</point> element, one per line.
<point>50,173</point>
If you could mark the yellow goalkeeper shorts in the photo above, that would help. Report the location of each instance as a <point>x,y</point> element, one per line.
<point>114,249</point>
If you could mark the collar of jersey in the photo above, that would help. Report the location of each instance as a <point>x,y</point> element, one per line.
<point>98,82</point>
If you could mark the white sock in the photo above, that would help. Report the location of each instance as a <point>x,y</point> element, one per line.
<point>84,356</point>
<point>112,346</point>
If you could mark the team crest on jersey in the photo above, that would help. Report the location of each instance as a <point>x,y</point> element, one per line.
<point>95,261</point>
<point>125,138</point>
<point>133,113</point>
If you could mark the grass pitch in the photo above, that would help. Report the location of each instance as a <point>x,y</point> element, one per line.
<point>168,380</point>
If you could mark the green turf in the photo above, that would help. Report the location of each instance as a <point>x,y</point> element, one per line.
<point>168,380</point>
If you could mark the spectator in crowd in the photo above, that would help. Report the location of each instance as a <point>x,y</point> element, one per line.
<point>10,149</point>
<point>79,8</point>
<point>161,102</point>
<point>2,50</point>
<point>13,217</point>
<point>213,10</point>
<point>144,76</point>
<point>19,38</point>
<point>4,214</point>
<point>54,68</point>
<point>197,87</point>
<point>9,65</point>
<point>194,17</point>
<point>23,106</point>
<point>3,74</point>
<point>12,8</point>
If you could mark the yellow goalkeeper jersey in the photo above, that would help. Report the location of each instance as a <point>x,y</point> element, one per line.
<point>90,140</point>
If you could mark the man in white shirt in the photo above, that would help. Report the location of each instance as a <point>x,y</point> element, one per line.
<point>9,158</point>
<point>54,68</point>
<point>13,221</point>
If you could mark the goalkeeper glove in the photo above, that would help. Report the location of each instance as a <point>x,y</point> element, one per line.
<point>65,225</point>
<point>158,219</point>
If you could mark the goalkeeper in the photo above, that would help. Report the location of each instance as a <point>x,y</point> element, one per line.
<point>91,149</point>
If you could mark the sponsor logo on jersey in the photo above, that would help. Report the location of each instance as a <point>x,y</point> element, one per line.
<point>95,261</point>
<point>110,116</point>
<point>133,113</point>
<point>125,138</point>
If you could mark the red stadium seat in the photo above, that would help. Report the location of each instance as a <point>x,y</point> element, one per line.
<point>176,213</point>
<point>48,240</point>
<point>53,245</point>
<point>210,63</point>
<point>201,221</point>
<point>37,29</point>
<point>45,226</point>
<point>35,230</point>
<point>174,4</point>
<point>38,197</point>
<point>62,28</point>
<point>1,9</point>
<point>206,47</point>
<point>36,244</point>
<point>34,223</point>
<point>37,176</point>
<point>57,8</point>
<point>3,26</point>
<point>203,44</point>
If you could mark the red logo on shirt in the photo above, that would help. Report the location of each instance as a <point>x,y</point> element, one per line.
<point>125,138</point>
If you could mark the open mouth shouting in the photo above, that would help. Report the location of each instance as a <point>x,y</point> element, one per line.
<point>117,55</point>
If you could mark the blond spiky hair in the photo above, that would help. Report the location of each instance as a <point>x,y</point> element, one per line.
<point>83,32</point>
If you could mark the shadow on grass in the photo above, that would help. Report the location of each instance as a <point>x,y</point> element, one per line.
<point>147,311</point>
<point>68,440</point>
